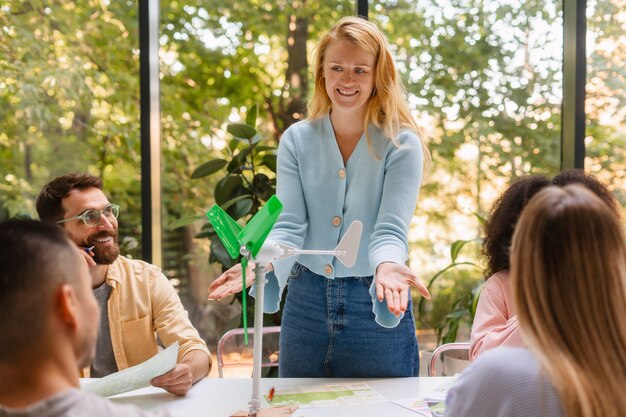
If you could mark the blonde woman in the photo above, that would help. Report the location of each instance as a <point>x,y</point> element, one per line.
<point>357,157</point>
<point>568,269</point>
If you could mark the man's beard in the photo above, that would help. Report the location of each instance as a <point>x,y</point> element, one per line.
<point>103,255</point>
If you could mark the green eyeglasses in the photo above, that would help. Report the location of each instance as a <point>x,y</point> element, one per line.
<point>92,217</point>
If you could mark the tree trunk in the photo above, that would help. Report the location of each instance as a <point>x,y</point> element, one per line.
<point>296,82</point>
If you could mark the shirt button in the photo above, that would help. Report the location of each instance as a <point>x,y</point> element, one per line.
<point>342,173</point>
<point>336,221</point>
<point>328,269</point>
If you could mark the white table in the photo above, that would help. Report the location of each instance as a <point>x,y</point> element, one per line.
<point>214,397</point>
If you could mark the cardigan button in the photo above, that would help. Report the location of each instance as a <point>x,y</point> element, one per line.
<point>342,173</point>
<point>328,269</point>
<point>336,221</point>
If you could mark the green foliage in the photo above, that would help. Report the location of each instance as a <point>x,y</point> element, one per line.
<point>245,181</point>
<point>479,75</point>
<point>455,301</point>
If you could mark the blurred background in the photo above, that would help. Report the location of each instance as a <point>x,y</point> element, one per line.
<point>484,79</point>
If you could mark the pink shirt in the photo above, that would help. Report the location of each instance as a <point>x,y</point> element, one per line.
<point>495,323</point>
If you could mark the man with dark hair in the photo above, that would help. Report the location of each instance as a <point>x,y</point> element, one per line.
<point>49,323</point>
<point>137,301</point>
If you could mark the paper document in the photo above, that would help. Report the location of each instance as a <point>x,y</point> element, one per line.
<point>422,407</point>
<point>418,406</point>
<point>286,411</point>
<point>327,395</point>
<point>138,376</point>
<point>439,394</point>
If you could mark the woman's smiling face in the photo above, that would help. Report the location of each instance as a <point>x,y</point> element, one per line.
<point>348,75</point>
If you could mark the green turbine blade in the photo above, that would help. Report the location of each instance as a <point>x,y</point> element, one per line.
<point>226,228</point>
<point>257,229</point>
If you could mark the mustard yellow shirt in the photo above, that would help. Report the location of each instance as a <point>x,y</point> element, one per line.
<point>142,305</point>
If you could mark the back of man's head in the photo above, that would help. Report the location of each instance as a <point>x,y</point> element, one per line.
<point>49,201</point>
<point>35,261</point>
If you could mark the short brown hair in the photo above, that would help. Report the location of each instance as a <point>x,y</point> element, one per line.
<point>49,205</point>
<point>36,258</point>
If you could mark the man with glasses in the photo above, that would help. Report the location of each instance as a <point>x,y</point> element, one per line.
<point>137,301</point>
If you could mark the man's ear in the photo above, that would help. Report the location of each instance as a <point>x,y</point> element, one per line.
<point>67,306</point>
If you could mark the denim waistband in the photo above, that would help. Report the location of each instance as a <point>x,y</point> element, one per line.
<point>297,267</point>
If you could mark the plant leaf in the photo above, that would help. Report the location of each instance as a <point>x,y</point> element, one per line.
<point>262,186</point>
<point>263,148</point>
<point>232,145</point>
<point>227,187</point>
<point>220,254</point>
<point>208,168</point>
<point>269,161</point>
<point>235,164</point>
<point>233,201</point>
<point>241,130</point>
<point>480,218</point>
<point>241,208</point>
<point>252,115</point>
<point>475,295</point>
<point>456,247</point>
<point>450,335</point>
<point>184,221</point>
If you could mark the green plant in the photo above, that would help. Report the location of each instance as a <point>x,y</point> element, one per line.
<point>463,306</point>
<point>248,179</point>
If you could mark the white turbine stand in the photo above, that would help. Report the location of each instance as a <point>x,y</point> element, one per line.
<point>346,251</point>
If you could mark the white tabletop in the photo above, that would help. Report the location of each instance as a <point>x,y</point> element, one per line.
<point>214,397</point>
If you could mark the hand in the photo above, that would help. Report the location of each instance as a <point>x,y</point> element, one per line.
<point>392,284</point>
<point>230,282</point>
<point>177,381</point>
<point>87,254</point>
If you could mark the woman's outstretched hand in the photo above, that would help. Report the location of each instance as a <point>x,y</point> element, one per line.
<point>230,281</point>
<point>392,284</point>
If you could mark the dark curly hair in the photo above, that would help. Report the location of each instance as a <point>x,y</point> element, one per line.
<point>578,176</point>
<point>503,218</point>
<point>508,208</point>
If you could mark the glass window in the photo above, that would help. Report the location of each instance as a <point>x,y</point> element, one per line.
<point>484,79</point>
<point>69,101</point>
<point>605,104</point>
<point>218,61</point>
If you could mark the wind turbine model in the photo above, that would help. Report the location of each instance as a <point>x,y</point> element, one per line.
<point>250,242</point>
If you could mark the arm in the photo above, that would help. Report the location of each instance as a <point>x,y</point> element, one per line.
<point>171,323</point>
<point>293,222</point>
<point>389,244</point>
<point>495,323</point>
<point>191,368</point>
<point>289,229</point>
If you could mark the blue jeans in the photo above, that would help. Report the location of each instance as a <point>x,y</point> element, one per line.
<point>328,330</point>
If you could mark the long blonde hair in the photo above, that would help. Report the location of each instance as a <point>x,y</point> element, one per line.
<point>387,108</point>
<point>568,267</point>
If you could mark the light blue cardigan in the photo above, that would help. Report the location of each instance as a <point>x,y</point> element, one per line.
<point>379,188</point>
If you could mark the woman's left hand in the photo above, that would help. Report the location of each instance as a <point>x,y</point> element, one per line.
<point>392,284</point>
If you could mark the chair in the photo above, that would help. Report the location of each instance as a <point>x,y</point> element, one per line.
<point>454,357</point>
<point>233,353</point>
